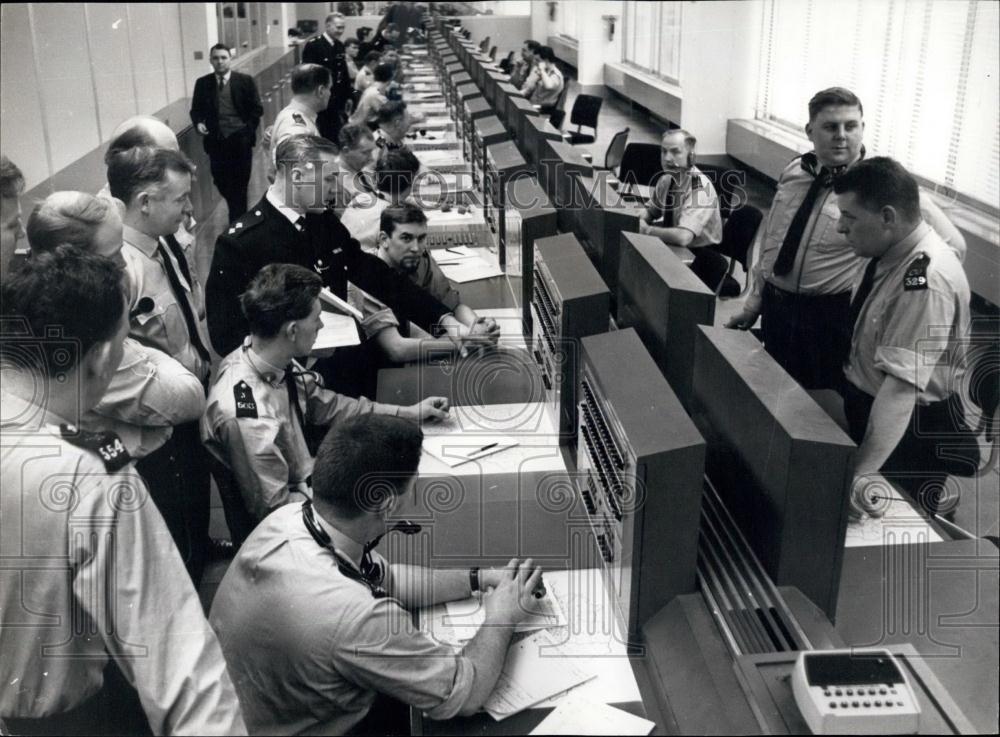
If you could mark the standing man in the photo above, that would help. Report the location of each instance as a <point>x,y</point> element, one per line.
<point>910,319</point>
<point>226,110</point>
<point>803,277</point>
<point>328,50</point>
<point>310,97</point>
<point>108,637</point>
<point>11,223</point>
<point>314,623</point>
<point>155,185</point>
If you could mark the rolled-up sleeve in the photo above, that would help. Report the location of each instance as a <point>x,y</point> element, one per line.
<point>383,650</point>
<point>701,216</point>
<point>916,335</point>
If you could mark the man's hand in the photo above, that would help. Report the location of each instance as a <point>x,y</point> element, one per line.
<point>644,227</point>
<point>490,578</point>
<point>202,129</point>
<point>432,409</point>
<point>511,600</point>
<point>870,495</point>
<point>743,320</point>
<point>485,327</point>
<point>266,138</point>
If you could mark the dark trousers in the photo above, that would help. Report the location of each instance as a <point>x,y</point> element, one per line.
<point>937,444</point>
<point>178,479</point>
<point>231,162</point>
<point>114,710</point>
<point>809,336</point>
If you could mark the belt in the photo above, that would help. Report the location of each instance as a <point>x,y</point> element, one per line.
<point>779,294</point>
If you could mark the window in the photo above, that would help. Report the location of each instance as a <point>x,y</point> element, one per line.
<point>652,38</point>
<point>926,71</point>
<point>242,26</point>
<point>567,20</point>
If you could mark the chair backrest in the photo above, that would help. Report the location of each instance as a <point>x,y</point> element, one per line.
<point>613,156</point>
<point>508,63</point>
<point>484,44</point>
<point>586,109</point>
<point>640,164</point>
<point>493,54</point>
<point>556,118</point>
<point>738,234</point>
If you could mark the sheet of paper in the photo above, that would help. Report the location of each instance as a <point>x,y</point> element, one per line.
<point>576,715</point>
<point>339,304</point>
<point>338,331</point>
<point>533,671</point>
<point>900,525</point>
<point>453,253</point>
<point>435,158</point>
<point>468,270</point>
<point>455,450</point>
<point>465,617</point>
<point>438,218</point>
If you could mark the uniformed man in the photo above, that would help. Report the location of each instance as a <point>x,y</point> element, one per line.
<point>150,392</point>
<point>314,624</point>
<point>263,400</point>
<point>226,110</point>
<point>328,50</point>
<point>394,123</point>
<point>374,97</point>
<point>11,225</point>
<point>310,96</point>
<point>356,161</point>
<point>108,636</point>
<point>155,185</point>
<point>395,172</point>
<point>292,224</point>
<point>803,276</point>
<point>910,318</point>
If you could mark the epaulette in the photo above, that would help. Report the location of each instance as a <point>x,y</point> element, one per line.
<point>363,199</point>
<point>298,119</point>
<point>915,277</point>
<point>246,222</point>
<point>107,445</point>
<point>246,405</point>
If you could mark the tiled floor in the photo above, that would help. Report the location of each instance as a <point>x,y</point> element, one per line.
<point>979,511</point>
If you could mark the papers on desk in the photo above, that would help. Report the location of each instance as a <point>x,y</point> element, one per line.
<point>576,715</point>
<point>465,617</point>
<point>339,304</point>
<point>900,525</point>
<point>471,265</point>
<point>532,672</point>
<point>455,451</point>
<point>338,331</point>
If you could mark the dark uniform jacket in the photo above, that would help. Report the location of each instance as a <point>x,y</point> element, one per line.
<point>333,56</point>
<point>264,236</point>
<point>246,100</point>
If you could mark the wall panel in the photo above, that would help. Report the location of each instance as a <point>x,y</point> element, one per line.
<point>146,39</point>
<point>111,61</point>
<point>173,51</point>
<point>21,134</point>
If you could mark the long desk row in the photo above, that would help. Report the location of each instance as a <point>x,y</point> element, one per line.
<point>619,437</point>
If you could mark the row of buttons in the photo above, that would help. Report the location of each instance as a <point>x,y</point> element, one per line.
<point>864,704</point>
<point>861,692</point>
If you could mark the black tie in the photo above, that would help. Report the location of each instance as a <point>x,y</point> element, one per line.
<point>179,294</point>
<point>790,246</point>
<point>864,289</point>
<point>293,396</point>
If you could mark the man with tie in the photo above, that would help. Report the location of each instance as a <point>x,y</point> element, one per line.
<point>328,50</point>
<point>263,400</point>
<point>226,109</point>
<point>356,160</point>
<point>910,319</point>
<point>155,185</point>
<point>803,276</point>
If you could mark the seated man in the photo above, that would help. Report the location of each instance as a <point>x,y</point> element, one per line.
<point>684,208</point>
<point>395,173</point>
<point>402,246</point>
<point>373,98</point>
<point>523,66</point>
<point>394,122</point>
<point>547,85</point>
<point>366,74</point>
<point>314,624</point>
<point>356,160</point>
<point>262,399</point>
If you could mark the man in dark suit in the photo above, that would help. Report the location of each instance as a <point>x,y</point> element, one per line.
<point>291,224</point>
<point>226,110</point>
<point>328,50</point>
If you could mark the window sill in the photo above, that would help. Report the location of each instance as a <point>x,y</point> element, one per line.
<point>662,98</point>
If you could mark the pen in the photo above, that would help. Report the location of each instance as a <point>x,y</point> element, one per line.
<point>484,448</point>
<point>452,250</point>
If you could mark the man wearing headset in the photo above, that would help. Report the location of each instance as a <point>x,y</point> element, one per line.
<point>313,624</point>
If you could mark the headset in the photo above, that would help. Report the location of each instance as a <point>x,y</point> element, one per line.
<point>373,577</point>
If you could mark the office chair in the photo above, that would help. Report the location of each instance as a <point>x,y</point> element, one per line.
<point>484,44</point>
<point>737,240</point>
<point>507,64</point>
<point>616,149</point>
<point>640,165</point>
<point>586,108</point>
<point>493,53</point>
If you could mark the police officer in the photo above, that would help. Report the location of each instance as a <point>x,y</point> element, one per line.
<point>263,400</point>
<point>291,224</point>
<point>910,317</point>
<point>310,96</point>
<point>803,277</point>
<point>155,185</point>
<point>112,605</point>
<point>328,50</point>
